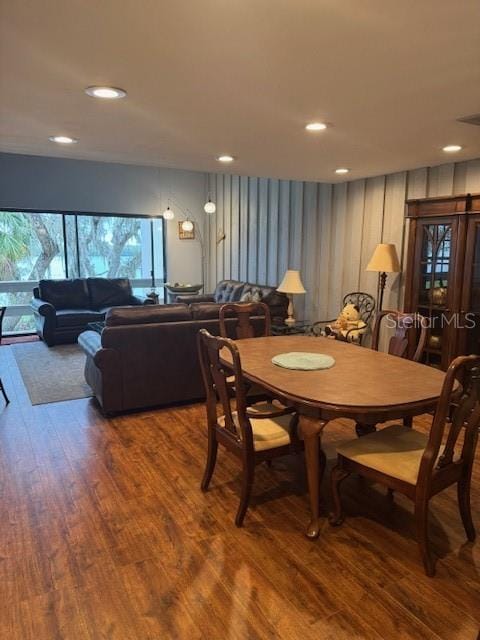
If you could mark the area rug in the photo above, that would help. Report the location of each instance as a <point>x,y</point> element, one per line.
<point>52,374</point>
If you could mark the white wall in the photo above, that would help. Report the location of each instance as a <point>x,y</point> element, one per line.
<point>35,182</point>
<point>327,231</point>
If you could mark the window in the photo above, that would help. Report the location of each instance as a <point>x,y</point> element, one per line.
<point>36,245</point>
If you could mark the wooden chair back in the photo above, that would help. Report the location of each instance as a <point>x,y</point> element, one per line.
<point>364,301</point>
<point>215,376</point>
<point>244,313</point>
<point>410,329</point>
<point>466,414</point>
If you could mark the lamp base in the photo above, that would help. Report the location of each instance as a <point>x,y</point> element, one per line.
<point>382,281</point>
<point>290,321</point>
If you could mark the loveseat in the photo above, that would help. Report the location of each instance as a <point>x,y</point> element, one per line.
<point>236,291</point>
<point>147,357</point>
<point>63,308</point>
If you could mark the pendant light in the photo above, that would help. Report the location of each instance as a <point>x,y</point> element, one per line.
<point>168,214</point>
<point>210,207</point>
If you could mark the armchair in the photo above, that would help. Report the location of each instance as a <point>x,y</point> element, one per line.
<point>366,306</point>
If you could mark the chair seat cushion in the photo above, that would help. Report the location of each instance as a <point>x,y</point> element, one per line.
<point>77,317</point>
<point>268,433</point>
<point>395,451</point>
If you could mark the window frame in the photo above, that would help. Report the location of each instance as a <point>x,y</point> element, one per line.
<point>16,285</point>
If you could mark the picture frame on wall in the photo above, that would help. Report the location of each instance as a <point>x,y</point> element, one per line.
<point>185,235</point>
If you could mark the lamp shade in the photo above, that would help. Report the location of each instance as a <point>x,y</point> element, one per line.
<point>384,259</point>
<point>291,283</point>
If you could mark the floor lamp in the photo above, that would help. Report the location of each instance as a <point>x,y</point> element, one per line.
<point>384,260</point>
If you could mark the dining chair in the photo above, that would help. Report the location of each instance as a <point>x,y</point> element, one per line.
<point>410,335</point>
<point>2,388</point>
<point>255,433</point>
<point>245,329</point>
<point>408,461</point>
<point>244,312</point>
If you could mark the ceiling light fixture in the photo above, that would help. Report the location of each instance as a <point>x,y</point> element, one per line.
<point>210,207</point>
<point>225,158</point>
<point>342,170</point>
<point>106,93</point>
<point>168,214</point>
<point>452,148</point>
<point>63,139</point>
<point>315,126</point>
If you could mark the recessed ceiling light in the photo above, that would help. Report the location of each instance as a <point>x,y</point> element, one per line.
<point>63,139</point>
<point>107,93</point>
<point>225,158</point>
<point>452,148</point>
<point>342,170</point>
<point>315,126</point>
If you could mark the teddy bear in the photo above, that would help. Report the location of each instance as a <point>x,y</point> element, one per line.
<point>348,326</point>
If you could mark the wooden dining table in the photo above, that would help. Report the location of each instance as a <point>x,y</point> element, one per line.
<point>366,386</point>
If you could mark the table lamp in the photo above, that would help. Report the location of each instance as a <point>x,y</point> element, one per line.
<point>291,284</point>
<point>384,260</point>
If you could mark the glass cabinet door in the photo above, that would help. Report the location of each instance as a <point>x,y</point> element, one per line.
<point>434,284</point>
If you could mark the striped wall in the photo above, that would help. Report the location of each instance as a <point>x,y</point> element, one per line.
<point>327,231</point>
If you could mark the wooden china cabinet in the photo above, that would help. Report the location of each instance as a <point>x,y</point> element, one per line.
<point>443,274</point>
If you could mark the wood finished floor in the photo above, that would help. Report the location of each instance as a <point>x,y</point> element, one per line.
<point>104,534</point>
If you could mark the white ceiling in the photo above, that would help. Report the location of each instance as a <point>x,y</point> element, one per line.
<point>206,77</point>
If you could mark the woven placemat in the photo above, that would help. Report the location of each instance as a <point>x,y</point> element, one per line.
<point>303,361</point>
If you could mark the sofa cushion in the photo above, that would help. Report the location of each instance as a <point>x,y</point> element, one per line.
<point>148,314</point>
<point>252,295</point>
<point>77,317</point>
<point>257,292</point>
<point>65,294</point>
<point>228,291</point>
<point>278,302</point>
<point>109,292</point>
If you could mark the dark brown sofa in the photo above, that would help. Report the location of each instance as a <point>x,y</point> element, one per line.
<point>147,357</point>
<point>236,291</point>
<point>63,308</point>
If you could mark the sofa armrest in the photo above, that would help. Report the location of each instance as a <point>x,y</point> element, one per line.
<point>189,299</point>
<point>43,308</point>
<point>91,342</point>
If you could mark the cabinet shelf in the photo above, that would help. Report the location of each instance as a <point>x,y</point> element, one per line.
<point>432,307</point>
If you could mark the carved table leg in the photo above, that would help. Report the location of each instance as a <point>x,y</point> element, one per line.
<point>363,429</point>
<point>310,431</point>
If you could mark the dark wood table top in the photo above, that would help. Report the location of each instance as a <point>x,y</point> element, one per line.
<point>362,380</point>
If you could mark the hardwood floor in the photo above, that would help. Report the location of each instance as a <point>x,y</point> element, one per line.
<point>104,534</point>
